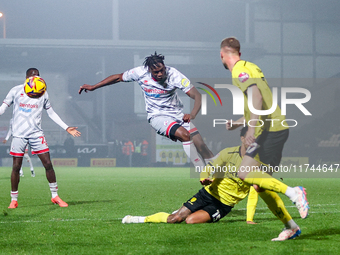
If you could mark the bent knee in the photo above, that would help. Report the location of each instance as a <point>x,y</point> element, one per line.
<point>185,136</point>
<point>191,220</point>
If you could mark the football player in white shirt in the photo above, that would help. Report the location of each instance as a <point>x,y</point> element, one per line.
<point>26,129</point>
<point>164,108</point>
<point>21,173</point>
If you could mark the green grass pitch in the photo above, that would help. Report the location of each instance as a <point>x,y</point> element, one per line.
<point>100,197</point>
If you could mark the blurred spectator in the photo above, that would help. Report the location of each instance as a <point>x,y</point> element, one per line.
<point>128,149</point>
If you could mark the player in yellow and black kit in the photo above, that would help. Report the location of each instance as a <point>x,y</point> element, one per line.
<point>264,139</point>
<point>221,194</point>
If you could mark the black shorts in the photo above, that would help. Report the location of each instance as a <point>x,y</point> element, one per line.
<point>270,147</point>
<point>206,202</point>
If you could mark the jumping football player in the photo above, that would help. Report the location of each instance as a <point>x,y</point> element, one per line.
<point>164,109</point>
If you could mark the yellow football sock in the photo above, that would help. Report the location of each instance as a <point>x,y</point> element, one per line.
<point>253,197</point>
<point>276,205</point>
<point>265,181</point>
<point>157,217</point>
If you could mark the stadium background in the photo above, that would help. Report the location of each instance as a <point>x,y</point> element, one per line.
<point>77,42</point>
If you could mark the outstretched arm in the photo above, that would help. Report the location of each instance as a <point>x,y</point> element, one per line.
<point>55,117</point>
<point>112,79</point>
<point>194,94</point>
<point>73,131</point>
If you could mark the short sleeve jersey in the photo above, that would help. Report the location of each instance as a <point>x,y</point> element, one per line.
<point>160,99</point>
<point>226,186</point>
<point>246,74</point>
<point>26,120</point>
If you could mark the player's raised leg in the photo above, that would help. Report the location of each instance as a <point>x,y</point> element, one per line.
<point>201,147</point>
<point>188,145</point>
<point>252,175</point>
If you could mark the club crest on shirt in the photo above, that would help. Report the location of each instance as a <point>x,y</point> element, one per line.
<point>185,82</point>
<point>243,77</point>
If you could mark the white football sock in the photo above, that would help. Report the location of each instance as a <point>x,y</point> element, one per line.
<point>141,219</point>
<point>14,195</point>
<point>291,224</point>
<point>192,153</point>
<point>54,189</point>
<point>291,193</point>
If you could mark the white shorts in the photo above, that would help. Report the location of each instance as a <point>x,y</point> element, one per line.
<point>163,125</point>
<point>38,146</point>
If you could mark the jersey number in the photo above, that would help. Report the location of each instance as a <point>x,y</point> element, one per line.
<point>43,141</point>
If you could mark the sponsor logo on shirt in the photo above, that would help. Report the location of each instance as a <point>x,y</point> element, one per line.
<point>243,77</point>
<point>27,107</point>
<point>154,92</point>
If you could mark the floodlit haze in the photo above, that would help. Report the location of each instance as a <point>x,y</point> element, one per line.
<point>138,20</point>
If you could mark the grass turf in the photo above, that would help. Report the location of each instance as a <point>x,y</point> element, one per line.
<point>100,197</point>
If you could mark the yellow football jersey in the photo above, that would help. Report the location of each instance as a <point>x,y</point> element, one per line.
<point>226,186</point>
<point>245,74</point>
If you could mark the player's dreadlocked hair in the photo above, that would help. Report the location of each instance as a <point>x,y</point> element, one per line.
<point>153,60</point>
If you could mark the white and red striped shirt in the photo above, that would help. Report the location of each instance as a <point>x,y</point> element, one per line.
<point>160,99</point>
<point>26,120</point>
